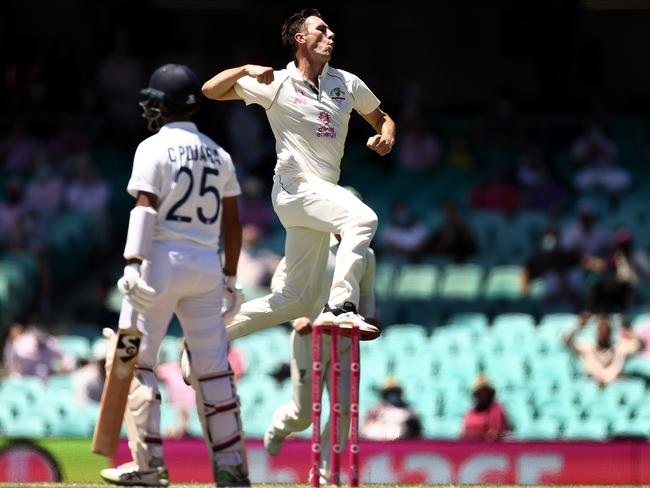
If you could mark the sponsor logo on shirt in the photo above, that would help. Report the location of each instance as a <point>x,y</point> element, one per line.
<point>325,130</point>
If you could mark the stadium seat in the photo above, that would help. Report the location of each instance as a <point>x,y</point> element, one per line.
<point>543,429</point>
<point>76,346</point>
<point>627,391</point>
<point>556,368</point>
<point>25,426</point>
<point>384,280</point>
<point>63,381</point>
<point>513,329</point>
<point>461,281</point>
<point>416,282</point>
<point>476,323</point>
<point>505,371</point>
<point>461,368</point>
<point>29,387</point>
<point>588,429</point>
<point>631,428</point>
<point>582,391</point>
<point>444,342</point>
<point>408,339</point>
<point>72,427</point>
<point>556,324</point>
<point>637,366</point>
<point>503,283</point>
<point>606,411</point>
<point>441,428</point>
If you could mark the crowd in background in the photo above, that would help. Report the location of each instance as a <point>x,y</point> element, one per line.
<point>49,167</point>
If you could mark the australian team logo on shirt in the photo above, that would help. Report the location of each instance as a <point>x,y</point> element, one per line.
<point>338,96</point>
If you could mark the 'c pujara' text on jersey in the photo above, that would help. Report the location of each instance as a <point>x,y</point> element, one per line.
<point>190,174</point>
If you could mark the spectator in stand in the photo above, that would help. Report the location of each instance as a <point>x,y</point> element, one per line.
<point>12,209</point>
<point>256,263</point>
<point>405,235</point>
<point>453,237</point>
<point>539,190</point>
<point>487,420</point>
<point>44,192</point>
<point>68,142</point>
<point>22,230</point>
<point>88,192</point>
<point>558,268</point>
<point>419,147</point>
<point>459,154</point>
<point>603,359</point>
<point>89,379</point>
<point>585,236</point>
<point>31,351</point>
<point>617,276</point>
<point>19,149</point>
<point>392,418</point>
<point>642,331</point>
<point>595,155</point>
<point>498,192</point>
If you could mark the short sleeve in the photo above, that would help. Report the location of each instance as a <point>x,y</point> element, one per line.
<point>231,184</point>
<point>365,100</point>
<point>252,91</point>
<point>146,175</point>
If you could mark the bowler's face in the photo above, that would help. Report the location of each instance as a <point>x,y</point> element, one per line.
<point>319,37</point>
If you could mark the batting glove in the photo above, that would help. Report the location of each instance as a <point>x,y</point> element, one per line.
<point>233,296</point>
<point>137,292</point>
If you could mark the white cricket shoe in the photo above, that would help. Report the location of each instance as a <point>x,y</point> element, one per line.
<point>128,475</point>
<point>345,317</point>
<point>273,442</point>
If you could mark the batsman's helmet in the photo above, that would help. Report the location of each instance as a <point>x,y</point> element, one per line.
<point>173,89</point>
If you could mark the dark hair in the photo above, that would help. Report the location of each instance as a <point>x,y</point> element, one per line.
<point>294,24</point>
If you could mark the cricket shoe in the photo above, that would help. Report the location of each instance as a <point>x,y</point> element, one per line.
<point>128,475</point>
<point>232,475</point>
<point>272,441</point>
<point>345,317</point>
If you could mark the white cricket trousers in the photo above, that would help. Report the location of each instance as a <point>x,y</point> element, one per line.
<point>310,210</point>
<point>189,282</point>
<point>295,416</point>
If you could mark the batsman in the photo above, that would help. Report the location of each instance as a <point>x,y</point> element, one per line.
<point>186,191</point>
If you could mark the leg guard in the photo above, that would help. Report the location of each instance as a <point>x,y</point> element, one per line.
<point>142,419</point>
<point>218,408</point>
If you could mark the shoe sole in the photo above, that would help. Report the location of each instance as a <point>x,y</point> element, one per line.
<point>122,483</point>
<point>346,330</point>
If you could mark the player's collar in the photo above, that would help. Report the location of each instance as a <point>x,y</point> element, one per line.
<point>185,125</point>
<point>293,70</point>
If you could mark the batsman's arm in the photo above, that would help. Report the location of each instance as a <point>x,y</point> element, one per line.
<point>232,239</point>
<point>222,85</point>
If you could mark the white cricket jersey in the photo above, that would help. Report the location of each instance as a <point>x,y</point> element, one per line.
<point>309,125</point>
<point>190,174</point>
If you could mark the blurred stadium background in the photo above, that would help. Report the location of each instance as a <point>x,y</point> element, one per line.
<point>512,117</point>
